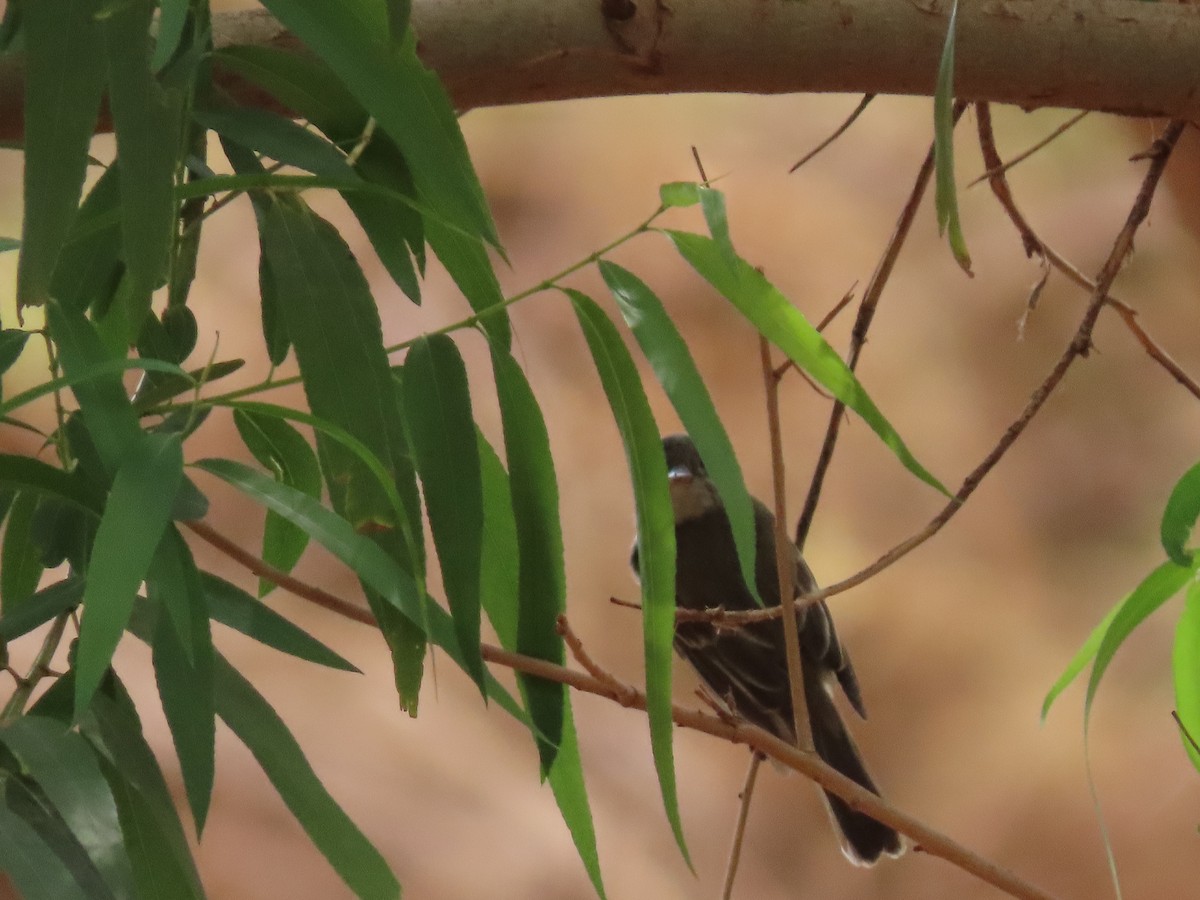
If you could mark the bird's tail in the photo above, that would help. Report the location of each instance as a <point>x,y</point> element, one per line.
<point>864,840</point>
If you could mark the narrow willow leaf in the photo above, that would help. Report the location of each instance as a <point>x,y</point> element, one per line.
<point>101,371</point>
<point>712,203</point>
<point>282,449</point>
<point>656,534</point>
<point>783,325</point>
<point>170,386</point>
<point>28,473</point>
<point>154,837</point>
<point>62,764</point>
<point>1179,516</point>
<point>183,664</point>
<point>946,198</point>
<point>41,608</point>
<point>147,122</point>
<point>467,262</point>
<point>236,609</point>
<point>90,268</point>
<point>20,565</point>
<point>279,138</point>
<point>133,523</point>
<point>542,582</point>
<point>677,373</point>
<point>335,329</point>
<point>259,727</point>
<point>105,408</point>
<point>1185,661</point>
<point>1155,589</point>
<point>12,342</point>
<point>171,23</point>
<point>679,193</point>
<point>406,99</point>
<point>570,793</point>
<point>437,405</point>
<point>61,105</point>
<point>499,578</point>
<point>36,870</point>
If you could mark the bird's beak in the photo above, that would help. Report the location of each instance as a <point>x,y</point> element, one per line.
<point>680,475</point>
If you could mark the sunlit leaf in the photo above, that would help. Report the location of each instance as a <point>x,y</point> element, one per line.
<point>1179,516</point>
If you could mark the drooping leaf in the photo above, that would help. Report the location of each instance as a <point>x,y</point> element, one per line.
<point>677,373</point>
<point>147,121</point>
<point>499,591</point>
<point>183,667</point>
<point>1179,516</point>
<point>1185,662</point>
<point>133,523</point>
<point>279,138</point>
<point>61,763</point>
<point>90,266</point>
<point>542,587</point>
<point>259,727</point>
<point>656,534</point>
<point>946,199</point>
<point>36,870</point>
<point>783,325</point>
<point>61,106</point>
<point>437,404</point>
<point>570,793</point>
<point>20,564</point>
<point>236,609</point>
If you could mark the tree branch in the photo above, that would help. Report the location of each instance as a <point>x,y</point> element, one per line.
<point>1110,55</point>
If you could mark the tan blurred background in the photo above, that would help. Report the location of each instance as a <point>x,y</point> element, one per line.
<point>955,646</point>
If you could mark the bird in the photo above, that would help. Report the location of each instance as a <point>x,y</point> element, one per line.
<point>746,667</point>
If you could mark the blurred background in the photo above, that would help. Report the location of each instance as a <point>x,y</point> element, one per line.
<point>955,646</point>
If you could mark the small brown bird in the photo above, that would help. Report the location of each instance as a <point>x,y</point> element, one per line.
<point>746,668</point>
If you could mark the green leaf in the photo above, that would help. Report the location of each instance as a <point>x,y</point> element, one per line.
<point>404,97</point>
<point>713,204</point>
<point>437,405</point>
<point>498,576</point>
<point>62,101</point>
<point>171,24</point>
<point>570,792</point>
<point>41,608</point>
<point>62,764</point>
<point>946,198</point>
<point>106,410</point>
<point>466,259</point>
<point>1155,589</point>
<point>183,654</point>
<point>148,125</point>
<point>259,727</point>
<point>393,227</point>
<point>101,371</point>
<point>679,193</point>
<point>542,582</point>
<point>278,138</point>
<point>234,608</point>
<point>35,869</point>
<point>335,329</point>
<point>1185,661</point>
<point>154,837</point>
<point>133,523</point>
<point>20,565</point>
<point>656,534</point>
<point>783,325</point>
<point>677,373</point>
<point>303,84</point>
<point>12,342</point>
<point>29,473</point>
<point>170,386</point>
<point>1179,516</point>
<point>89,268</point>
<point>280,448</point>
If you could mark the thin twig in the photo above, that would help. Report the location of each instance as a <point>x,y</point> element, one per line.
<point>739,831</point>
<point>621,692</point>
<point>726,728</point>
<point>858,336</point>
<point>1034,245</point>
<point>1187,735</point>
<point>785,563</point>
<point>39,670</point>
<point>999,168</point>
<point>858,111</point>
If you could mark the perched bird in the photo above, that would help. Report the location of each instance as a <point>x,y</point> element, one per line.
<point>746,667</point>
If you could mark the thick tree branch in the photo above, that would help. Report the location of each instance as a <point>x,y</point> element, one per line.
<point>1113,55</point>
